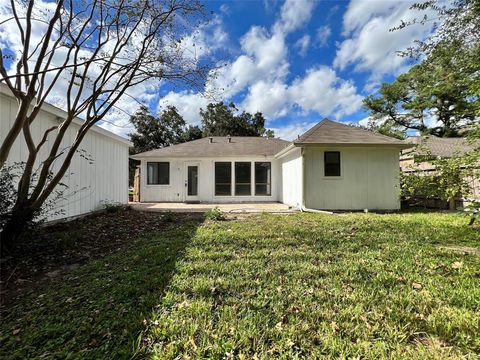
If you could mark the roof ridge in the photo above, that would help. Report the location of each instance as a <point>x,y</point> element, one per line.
<point>307,133</point>
<point>332,132</point>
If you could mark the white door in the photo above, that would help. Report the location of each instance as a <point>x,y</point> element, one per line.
<point>191,181</point>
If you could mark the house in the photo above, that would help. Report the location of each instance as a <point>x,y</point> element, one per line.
<point>332,166</point>
<point>99,171</point>
<point>418,159</point>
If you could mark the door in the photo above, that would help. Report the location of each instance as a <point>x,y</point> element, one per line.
<point>191,182</point>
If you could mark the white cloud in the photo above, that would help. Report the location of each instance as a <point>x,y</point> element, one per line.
<point>267,51</point>
<point>205,39</point>
<point>224,8</point>
<point>187,103</point>
<point>323,35</point>
<point>370,45</point>
<point>302,45</point>
<point>321,90</point>
<point>272,99</point>
<point>292,131</point>
<point>294,14</point>
<point>264,57</point>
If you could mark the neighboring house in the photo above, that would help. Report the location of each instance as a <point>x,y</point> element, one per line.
<point>418,159</point>
<point>90,183</point>
<point>332,166</point>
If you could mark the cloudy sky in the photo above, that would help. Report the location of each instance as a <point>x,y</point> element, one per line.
<point>297,61</point>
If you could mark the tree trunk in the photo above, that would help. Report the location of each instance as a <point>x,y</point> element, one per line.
<point>452,204</point>
<point>15,226</point>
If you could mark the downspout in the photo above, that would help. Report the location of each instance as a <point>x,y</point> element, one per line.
<point>303,208</point>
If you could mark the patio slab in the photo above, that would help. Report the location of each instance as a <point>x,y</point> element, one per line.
<point>273,207</point>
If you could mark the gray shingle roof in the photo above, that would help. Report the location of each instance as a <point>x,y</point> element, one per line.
<point>239,146</point>
<point>334,133</point>
<point>442,147</point>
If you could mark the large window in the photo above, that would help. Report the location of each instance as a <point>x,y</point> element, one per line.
<point>223,178</point>
<point>263,178</point>
<point>332,163</point>
<point>158,173</point>
<point>243,178</point>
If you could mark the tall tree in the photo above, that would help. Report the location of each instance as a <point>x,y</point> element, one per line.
<point>438,90</point>
<point>444,88</point>
<point>219,119</point>
<point>455,21</point>
<point>153,132</point>
<point>387,128</point>
<point>102,49</point>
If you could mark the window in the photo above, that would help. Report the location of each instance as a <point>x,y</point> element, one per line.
<point>263,178</point>
<point>243,178</point>
<point>223,178</point>
<point>332,163</point>
<point>158,173</point>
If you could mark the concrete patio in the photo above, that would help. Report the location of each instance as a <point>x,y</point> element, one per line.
<point>271,207</point>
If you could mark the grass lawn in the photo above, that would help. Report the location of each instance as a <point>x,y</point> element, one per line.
<point>267,286</point>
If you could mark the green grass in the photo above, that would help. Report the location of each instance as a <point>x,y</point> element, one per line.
<point>270,286</point>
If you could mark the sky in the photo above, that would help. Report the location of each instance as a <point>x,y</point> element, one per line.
<point>296,61</point>
<point>299,61</point>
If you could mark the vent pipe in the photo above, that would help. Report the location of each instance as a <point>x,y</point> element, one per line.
<point>211,140</point>
<point>229,138</point>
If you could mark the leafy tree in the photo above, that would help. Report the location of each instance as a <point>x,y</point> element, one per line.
<point>451,178</point>
<point>153,132</point>
<point>95,51</point>
<point>439,89</point>
<point>192,133</point>
<point>455,21</point>
<point>219,119</point>
<point>388,128</point>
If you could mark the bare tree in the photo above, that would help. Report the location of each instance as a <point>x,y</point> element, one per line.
<point>105,47</point>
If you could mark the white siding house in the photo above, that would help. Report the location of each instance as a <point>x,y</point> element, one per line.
<point>332,167</point>
<point>103,179</point>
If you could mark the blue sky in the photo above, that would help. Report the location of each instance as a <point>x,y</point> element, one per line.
<point>298,61</point>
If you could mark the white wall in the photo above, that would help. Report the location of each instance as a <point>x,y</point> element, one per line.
<point>292,178</point>
<point>369,179</point>
<point>106,179</point>
<point>175,191</point>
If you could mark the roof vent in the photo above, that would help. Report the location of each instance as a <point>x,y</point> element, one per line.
<point>229,138</point>
<point>211,139</point>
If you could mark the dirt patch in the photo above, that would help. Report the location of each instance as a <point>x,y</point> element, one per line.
<point>50,252</point>
<point>462,249</point>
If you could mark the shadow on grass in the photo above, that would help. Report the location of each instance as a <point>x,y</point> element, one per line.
<point>98,311</point>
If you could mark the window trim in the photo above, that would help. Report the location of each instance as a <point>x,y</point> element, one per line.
<point>158,162</point>
<point>333,177</point>
<point>232,179</point>
<point>255,179</point>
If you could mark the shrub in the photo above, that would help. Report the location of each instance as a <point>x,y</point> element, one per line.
<point>9,177</point>
<point>473,211</point>
<point>112,207</point>
<point>215,214</point>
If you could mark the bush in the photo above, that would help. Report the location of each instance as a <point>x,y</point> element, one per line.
<point>9,177</point>
<point>215,214</point>
<point>112,207</point>
<point>473,211</point>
